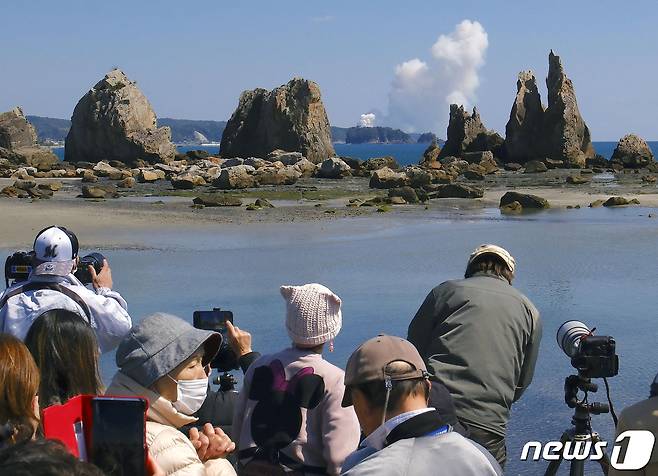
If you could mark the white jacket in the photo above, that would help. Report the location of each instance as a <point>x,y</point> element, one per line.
<point>109,311</point>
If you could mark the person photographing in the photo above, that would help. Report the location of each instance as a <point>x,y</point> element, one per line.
<point>52,285</point>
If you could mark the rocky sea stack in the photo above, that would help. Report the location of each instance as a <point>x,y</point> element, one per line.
<point>632,152</point>
<point>291,117</point>
<point>466,133</point>
<point>115,121</point>
<point>557,132</point>
<point>18,142</point>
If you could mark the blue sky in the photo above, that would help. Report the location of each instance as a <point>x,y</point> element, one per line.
<point>192,59</point>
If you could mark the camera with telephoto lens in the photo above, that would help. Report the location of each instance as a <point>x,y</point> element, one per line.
<point>593,356</point>
<point>215,320</point>
<point>18,267</point>
<point>96,260</point>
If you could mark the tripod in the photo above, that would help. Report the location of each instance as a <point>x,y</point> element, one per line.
<point>581,433</point>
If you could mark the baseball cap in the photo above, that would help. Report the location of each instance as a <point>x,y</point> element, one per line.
<point>55,250</point>
<point>502,253</point>
<point>369,361</point>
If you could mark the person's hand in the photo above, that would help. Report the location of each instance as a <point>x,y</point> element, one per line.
<point>102,279</point>
<point>239,340</point>
<point>211,443</point>
<point>153,468</point>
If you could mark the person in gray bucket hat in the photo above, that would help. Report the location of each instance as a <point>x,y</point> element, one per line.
<point>165,360</point>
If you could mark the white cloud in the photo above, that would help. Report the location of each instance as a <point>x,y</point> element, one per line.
<point>367,120</point>
<point>421,90</point>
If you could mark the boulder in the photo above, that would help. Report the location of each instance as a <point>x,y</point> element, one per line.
<point>564,132</point>
<point>526,200</point>
<point>466,133</point>
<point>474,174</point>
<point>396,200</point>
<point>577,179</point>
<point>431,155</point>
<point>377,163</point>
<point>287,175</point>
<point>455,190</point>
<point>148,176</point>
<point>387,178</point>
<point>114,121</point>
<point>255,162</point>
<point>418,177</point>
<point>511,208</point>
<point>333,168</point>
<point>89,191</point>
<point>620,201</point>
<point>596,203</point>
<point>479,156</point>
<point>40,158</point>
<point>217,200</point>
<point>15,130</point>
<point>104,169</point>
<point>52,186</point>
<point>513,167</point>
<point>535,167</point>
<point>407,193</point>
<point>24,184</point>
<point>306,167</point>
<point>287,158</point>
<point>489,165</point>
<point>523,132</point>
<point>238,177</point>
<point>89,177</point>
<point>263,203</point>
<point>291,117</point>
<point>649,179</point>
<point>233,162</point>
<point>13,192</point>
<point>128,182</point>
<point>185,182</point>
<point>632,152</point>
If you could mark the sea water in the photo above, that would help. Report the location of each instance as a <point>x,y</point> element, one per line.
<point>405,154</point>
<point>594,265</point>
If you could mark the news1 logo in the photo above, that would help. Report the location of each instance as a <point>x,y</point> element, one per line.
<point>632,450</point>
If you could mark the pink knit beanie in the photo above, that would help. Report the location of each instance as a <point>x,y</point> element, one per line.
<point>313,314</point>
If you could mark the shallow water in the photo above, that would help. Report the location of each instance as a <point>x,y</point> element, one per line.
<point>595,265</point>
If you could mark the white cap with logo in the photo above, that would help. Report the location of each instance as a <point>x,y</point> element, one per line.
<point>55,251</point>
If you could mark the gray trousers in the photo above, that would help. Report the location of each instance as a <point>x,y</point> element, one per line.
<point>494,443</point>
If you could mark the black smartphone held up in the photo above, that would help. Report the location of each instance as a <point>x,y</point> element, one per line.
<point>215,320</point>
<point>118,435</point>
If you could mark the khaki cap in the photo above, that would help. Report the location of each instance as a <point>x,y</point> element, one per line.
<point>368,362</point>
<point>496,250</point>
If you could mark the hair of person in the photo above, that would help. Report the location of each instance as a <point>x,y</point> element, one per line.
<point>491,264</point>
<point>43,458</point>
<point>375,391</point>
<point>65,349</point>
<point>19,384</point>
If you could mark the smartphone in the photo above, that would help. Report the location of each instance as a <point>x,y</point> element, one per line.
<point>214,320</point>
<point>118,436</point>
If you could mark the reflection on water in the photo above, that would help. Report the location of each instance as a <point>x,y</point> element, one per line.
<point>597,266</point>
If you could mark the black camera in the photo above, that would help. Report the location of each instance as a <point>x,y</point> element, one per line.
<point>593,356</point>
<point>215,320</point>
<point>96,260</point>
<point>18,267</point>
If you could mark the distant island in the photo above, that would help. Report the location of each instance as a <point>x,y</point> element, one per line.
<point>187,131</point>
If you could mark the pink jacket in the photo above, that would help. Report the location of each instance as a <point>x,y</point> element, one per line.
<point>295,385</point>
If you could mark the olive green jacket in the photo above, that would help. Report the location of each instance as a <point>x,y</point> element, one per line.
<point>480,337</point>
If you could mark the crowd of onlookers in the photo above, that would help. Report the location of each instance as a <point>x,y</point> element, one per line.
<point>437,403</point>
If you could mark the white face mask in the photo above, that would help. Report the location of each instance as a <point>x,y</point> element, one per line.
<point>191,395</point>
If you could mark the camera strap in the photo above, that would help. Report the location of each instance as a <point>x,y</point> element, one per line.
<point>37,286</point>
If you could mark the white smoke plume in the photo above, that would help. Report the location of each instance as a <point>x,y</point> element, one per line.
<point>421,90</point>
<point>367,120</point>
